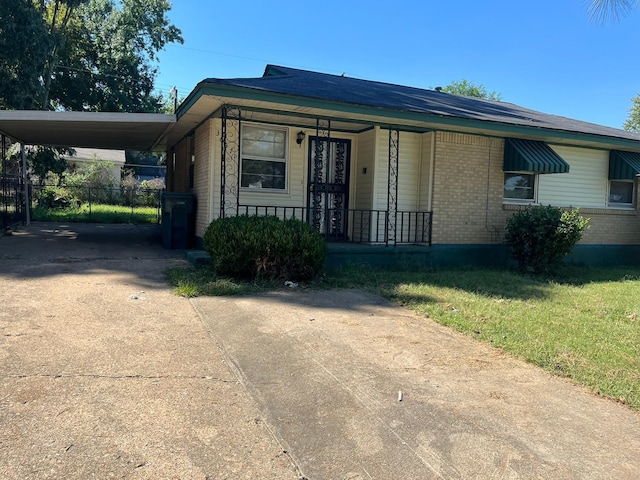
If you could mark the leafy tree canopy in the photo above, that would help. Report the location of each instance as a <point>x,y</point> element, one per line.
<point>632,124</point>
<point>86,55</point>
<point>470,89</point>
<point>24,45</point>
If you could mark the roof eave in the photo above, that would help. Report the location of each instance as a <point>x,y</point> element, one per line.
<point>239,93</point>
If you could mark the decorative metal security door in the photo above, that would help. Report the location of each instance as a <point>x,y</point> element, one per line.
<point>328,192</point>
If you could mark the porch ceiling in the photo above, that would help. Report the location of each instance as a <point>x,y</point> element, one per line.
<point>117,131</point>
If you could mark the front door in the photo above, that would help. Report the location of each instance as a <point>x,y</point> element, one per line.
<point>328,190</point>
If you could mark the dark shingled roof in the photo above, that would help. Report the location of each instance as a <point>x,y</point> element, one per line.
<point>353,91</point>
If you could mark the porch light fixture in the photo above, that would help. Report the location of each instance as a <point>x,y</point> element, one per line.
<point>300,137</point>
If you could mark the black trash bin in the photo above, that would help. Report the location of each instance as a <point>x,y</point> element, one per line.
<point>178,220</point>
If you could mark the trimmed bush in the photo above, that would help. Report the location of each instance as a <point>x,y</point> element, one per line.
<point>540,237</point>
<point>265,247</point>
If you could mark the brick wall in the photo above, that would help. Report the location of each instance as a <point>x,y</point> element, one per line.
<point>467,197</point>
<point>467,189</point>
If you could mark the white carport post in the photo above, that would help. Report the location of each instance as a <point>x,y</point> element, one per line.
<point>25,178</point>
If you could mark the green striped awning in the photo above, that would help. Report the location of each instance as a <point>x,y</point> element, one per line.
<point>623,165</point>
<point>532,156</point>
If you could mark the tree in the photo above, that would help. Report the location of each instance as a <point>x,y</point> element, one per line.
<point>89,55</point>
<point>470,89</point>
<point>600,10</point>
<point>632,124</point>
<point>57,14</point>
<point>86,55</point>
<point>24,45</point>
<point>111,64</point>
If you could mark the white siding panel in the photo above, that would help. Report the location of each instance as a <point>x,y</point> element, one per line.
<point>202,176</point>
<point>364,175</point>
<point>409,175</point>
<point>584,186</point>
<point>425,174</point>
<point>364,159</point>
<point>409,171</point>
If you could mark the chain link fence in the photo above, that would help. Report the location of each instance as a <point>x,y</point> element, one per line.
<point>96,204</point>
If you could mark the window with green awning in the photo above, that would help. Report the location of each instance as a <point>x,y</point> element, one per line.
<point>623,165</point>
<point>532,156</point>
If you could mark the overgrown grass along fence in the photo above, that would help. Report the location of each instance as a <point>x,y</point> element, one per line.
<point>96,204</point>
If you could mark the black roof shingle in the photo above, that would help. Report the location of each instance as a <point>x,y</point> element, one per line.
<point>347,90</point>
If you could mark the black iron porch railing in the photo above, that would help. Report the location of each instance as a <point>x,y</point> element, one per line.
<point>356,225</point>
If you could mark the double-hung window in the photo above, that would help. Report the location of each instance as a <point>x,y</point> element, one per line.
<point>264,157</point>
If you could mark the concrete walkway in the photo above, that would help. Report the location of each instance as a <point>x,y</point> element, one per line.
<point>104,373</point>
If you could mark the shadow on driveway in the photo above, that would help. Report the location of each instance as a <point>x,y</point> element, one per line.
<point>45,249</point>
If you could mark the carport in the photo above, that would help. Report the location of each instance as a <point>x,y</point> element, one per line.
<point>120,131</point>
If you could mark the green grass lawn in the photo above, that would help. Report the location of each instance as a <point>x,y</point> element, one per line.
<point>98,213</point>
<point>583,324</point>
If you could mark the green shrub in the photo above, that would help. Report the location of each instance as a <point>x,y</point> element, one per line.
<point>265,247</point>
<point>540,237</point>
<point>55,197</point>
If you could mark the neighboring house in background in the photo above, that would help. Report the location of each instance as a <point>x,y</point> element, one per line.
<point>144,166</point>
<point>84,156</point>
<point>376,163</point>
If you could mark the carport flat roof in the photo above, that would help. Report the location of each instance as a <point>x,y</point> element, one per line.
<point>117,131</point>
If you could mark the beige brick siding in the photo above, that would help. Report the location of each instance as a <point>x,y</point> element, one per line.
<point>467,189</point>
<point>467,197</point>
<point>612,229</point>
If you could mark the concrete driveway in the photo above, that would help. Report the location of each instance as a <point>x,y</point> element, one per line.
<point>105,374</point>
<point>327,369</point>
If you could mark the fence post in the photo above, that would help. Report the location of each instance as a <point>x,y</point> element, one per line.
<point>25,179</point>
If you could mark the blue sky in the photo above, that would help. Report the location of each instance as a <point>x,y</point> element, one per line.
<point>545,54</point>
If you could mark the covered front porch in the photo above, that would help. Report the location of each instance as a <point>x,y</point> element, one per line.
<point>355,182</point>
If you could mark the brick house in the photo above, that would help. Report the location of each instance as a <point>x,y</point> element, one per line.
<point>370,163</point>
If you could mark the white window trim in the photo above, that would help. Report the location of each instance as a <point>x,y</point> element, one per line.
<point>286,160</point>
<point>523,201</point>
